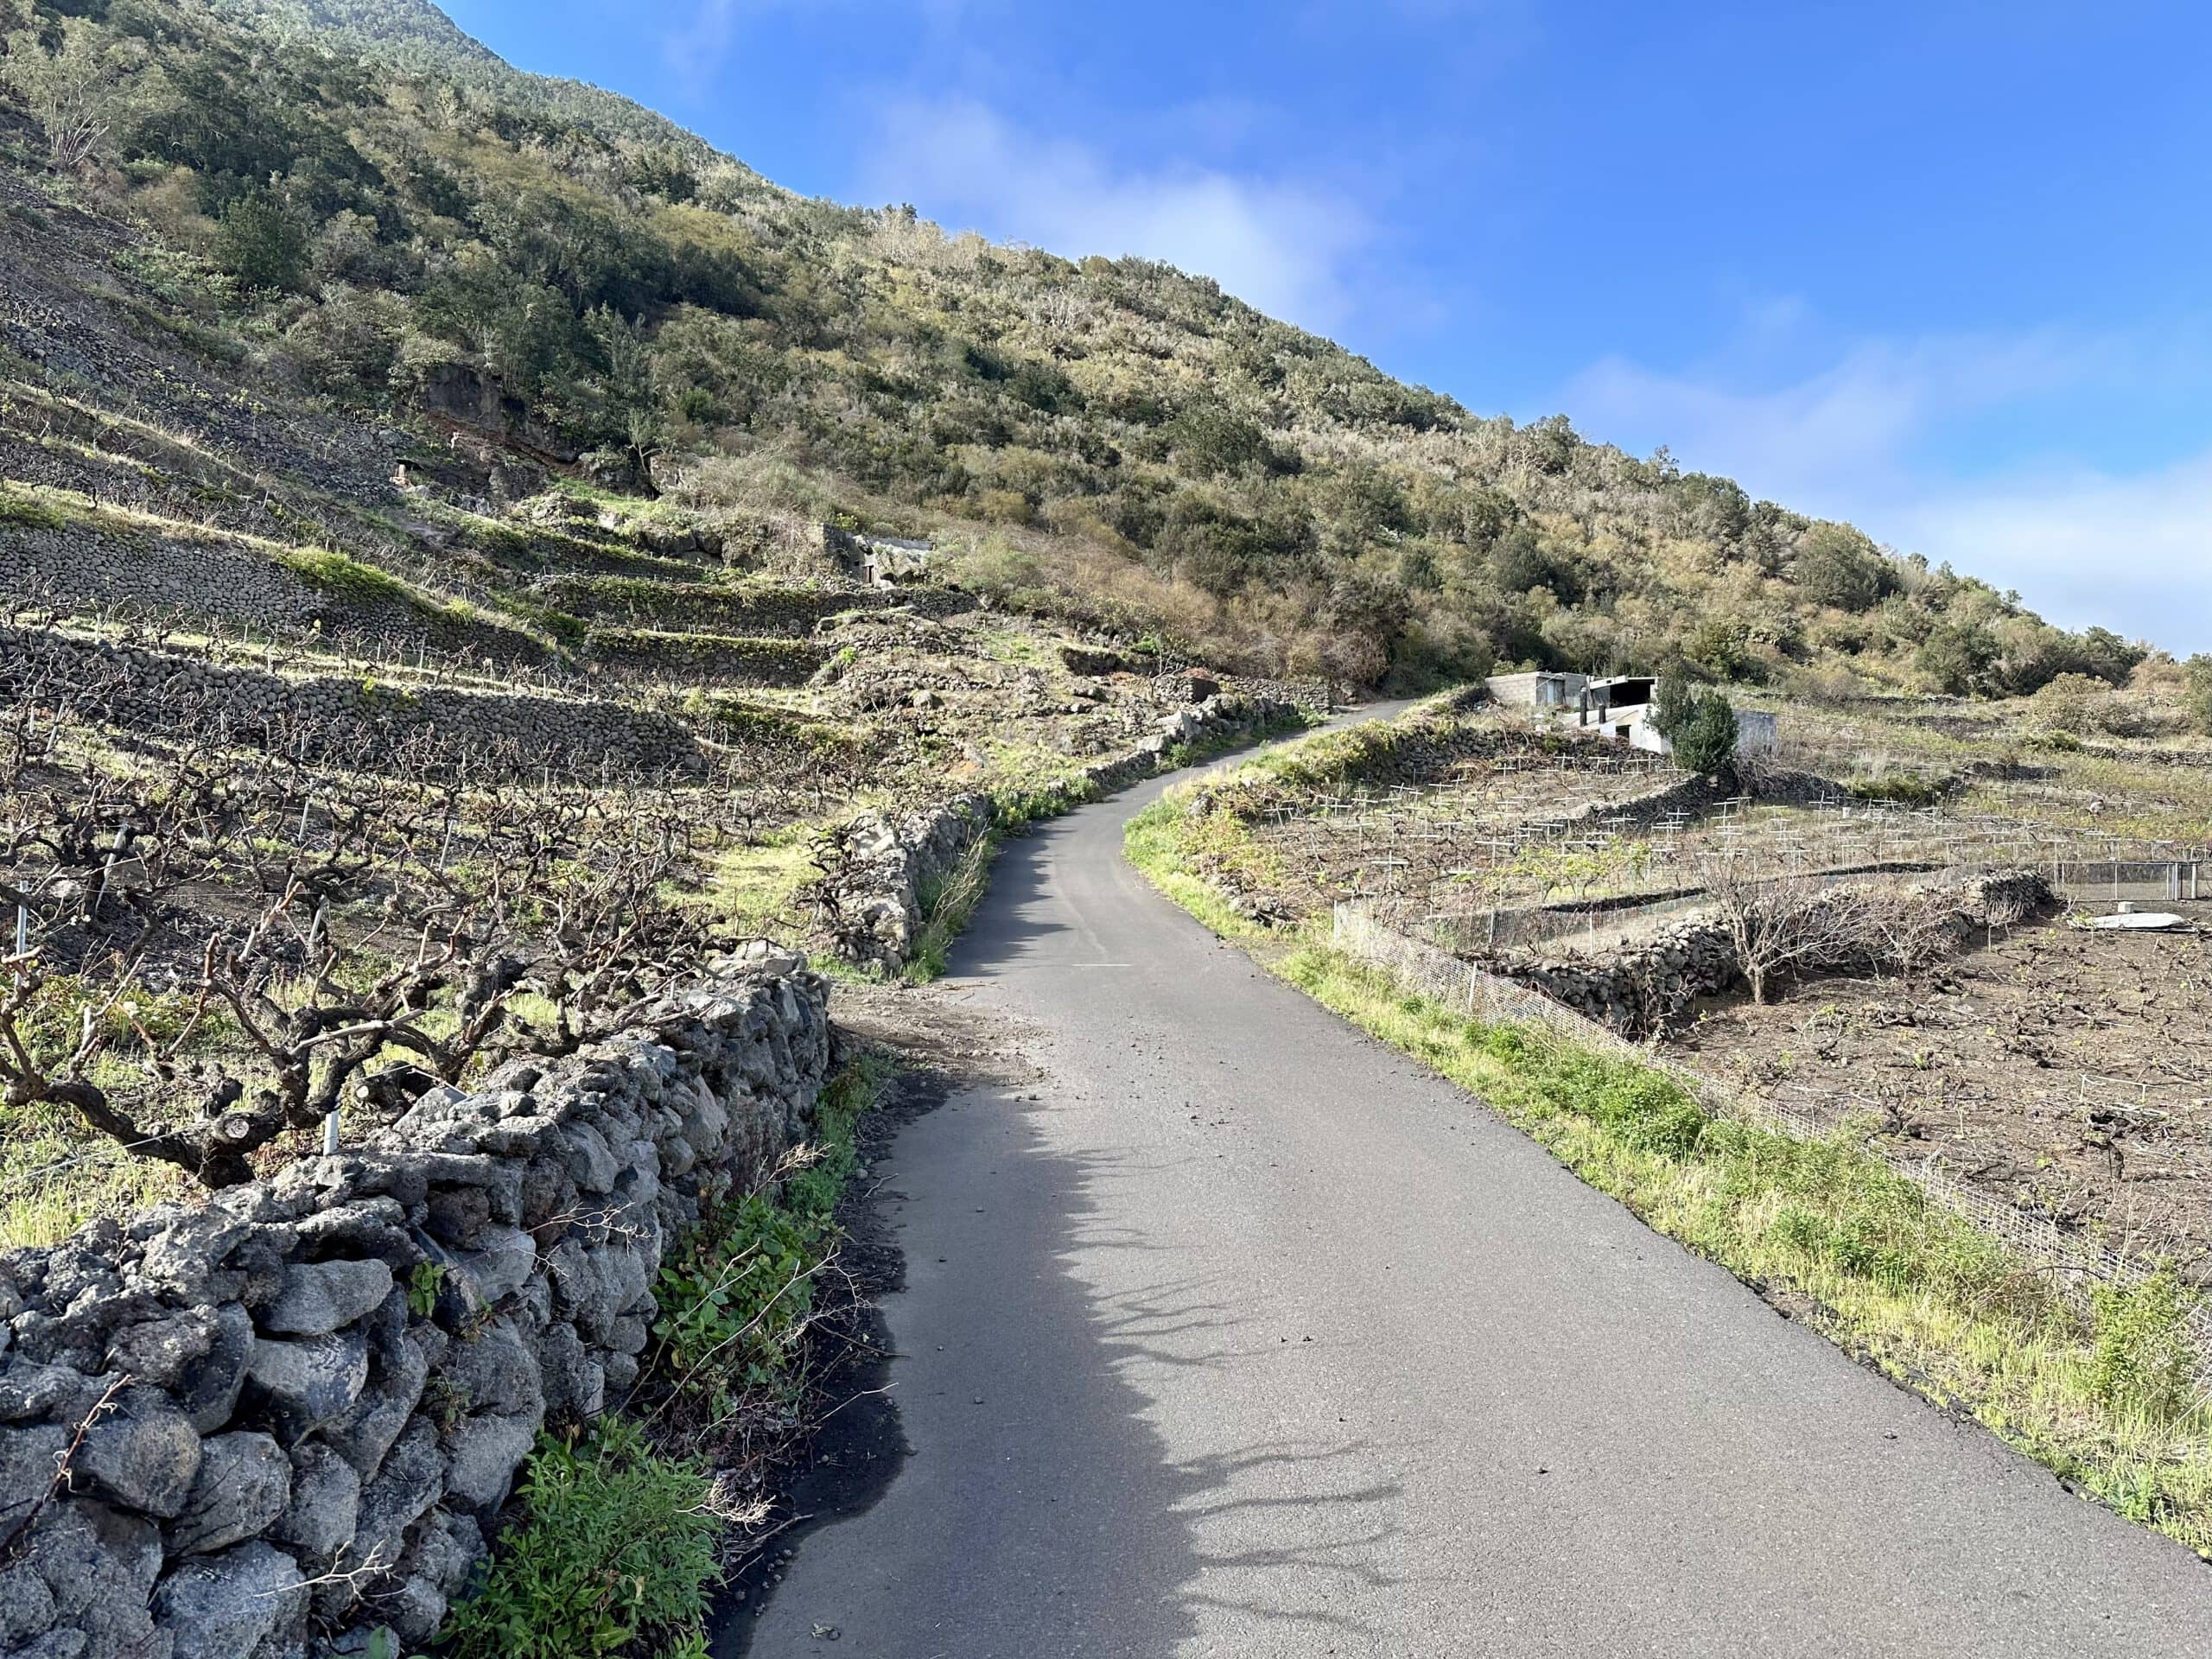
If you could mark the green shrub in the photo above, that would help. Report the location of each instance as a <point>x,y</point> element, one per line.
<point>343,577</point>
<point>261,242</point>
<point>1705,743</point>
<point>2142,1360</point>
<point>735,1296</point>
<point>1838,566</point>
<point>2198,694</point>
<point>1672,705</point>
<point>619,1545</point>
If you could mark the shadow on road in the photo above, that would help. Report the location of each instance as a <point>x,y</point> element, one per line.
<point>1042,1473</point>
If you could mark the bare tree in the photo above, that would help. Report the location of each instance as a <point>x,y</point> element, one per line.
<point>79,91</point>
<point>1786,921</point>
<point>1913,927</point>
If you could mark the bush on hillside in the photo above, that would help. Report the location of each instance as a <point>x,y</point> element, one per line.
<point>1706,742</point>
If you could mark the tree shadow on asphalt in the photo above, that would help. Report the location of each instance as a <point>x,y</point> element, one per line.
<point>1062,1521</point>
<point>1277,1529</point>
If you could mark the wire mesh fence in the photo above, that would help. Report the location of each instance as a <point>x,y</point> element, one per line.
<point>1421,966</point>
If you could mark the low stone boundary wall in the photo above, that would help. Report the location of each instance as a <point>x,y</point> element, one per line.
<point>708,658</point>
<point>1646,985</point>
<point>294,1412</point>
<point>883,866</point>
<point>791,613</point>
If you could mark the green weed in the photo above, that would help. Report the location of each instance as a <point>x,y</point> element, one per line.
<point>737,1293</point>
<point>2141,1360</point>
<point>619,1545</point>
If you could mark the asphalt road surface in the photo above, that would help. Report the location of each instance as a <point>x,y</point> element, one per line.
<point>1249,1337</point>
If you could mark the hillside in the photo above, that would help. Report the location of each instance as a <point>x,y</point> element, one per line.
<point>375,220</point>
<point>520,644</point>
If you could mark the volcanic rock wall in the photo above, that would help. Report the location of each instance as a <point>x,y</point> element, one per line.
<point>264,1426</point>
<point>882,868</point>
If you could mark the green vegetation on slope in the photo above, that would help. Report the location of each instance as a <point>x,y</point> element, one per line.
<point>380,215</point>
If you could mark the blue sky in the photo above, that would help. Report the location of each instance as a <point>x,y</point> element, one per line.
<point>1937,269</point>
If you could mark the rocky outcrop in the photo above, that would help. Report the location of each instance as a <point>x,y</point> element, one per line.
<point>298,1407</point>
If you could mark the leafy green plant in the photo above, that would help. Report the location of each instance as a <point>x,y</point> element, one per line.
<point>1905,788</point>
<point>2142,1360</point>
<point>737,1293</point>
<point>344,577</point>
<point>619,1545</point>
<point>946,904</point>
<point>423,1287</point>
<point>735,1296</point>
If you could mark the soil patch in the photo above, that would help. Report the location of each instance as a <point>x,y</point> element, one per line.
<point>2064,1071</point>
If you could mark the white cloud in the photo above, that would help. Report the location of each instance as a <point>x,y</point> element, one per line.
<point>2134,554</point>
<point>1820,441</point>
<point>1283,246</point>
<point>697,47</point>
<point>1855,440</point>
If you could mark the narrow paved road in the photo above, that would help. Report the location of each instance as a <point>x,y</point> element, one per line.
<point>1249,1337</point>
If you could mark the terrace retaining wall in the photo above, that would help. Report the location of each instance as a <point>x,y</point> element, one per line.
<point>341,719</point>
<point>883,866</point>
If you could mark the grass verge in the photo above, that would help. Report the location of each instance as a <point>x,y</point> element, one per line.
<point>2105,1395</point>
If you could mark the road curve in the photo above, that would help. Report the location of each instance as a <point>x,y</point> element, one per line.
<point>1250,1337</point>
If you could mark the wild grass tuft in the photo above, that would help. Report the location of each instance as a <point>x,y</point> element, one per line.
<point>947,903</point>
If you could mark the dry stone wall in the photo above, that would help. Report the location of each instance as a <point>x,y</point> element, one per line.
<point>708,658</point>
<point>1651,985</point>
<point>794,612</point>
<point>346,720</point>
<point>290,1416</point>
<point>212,578</point>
